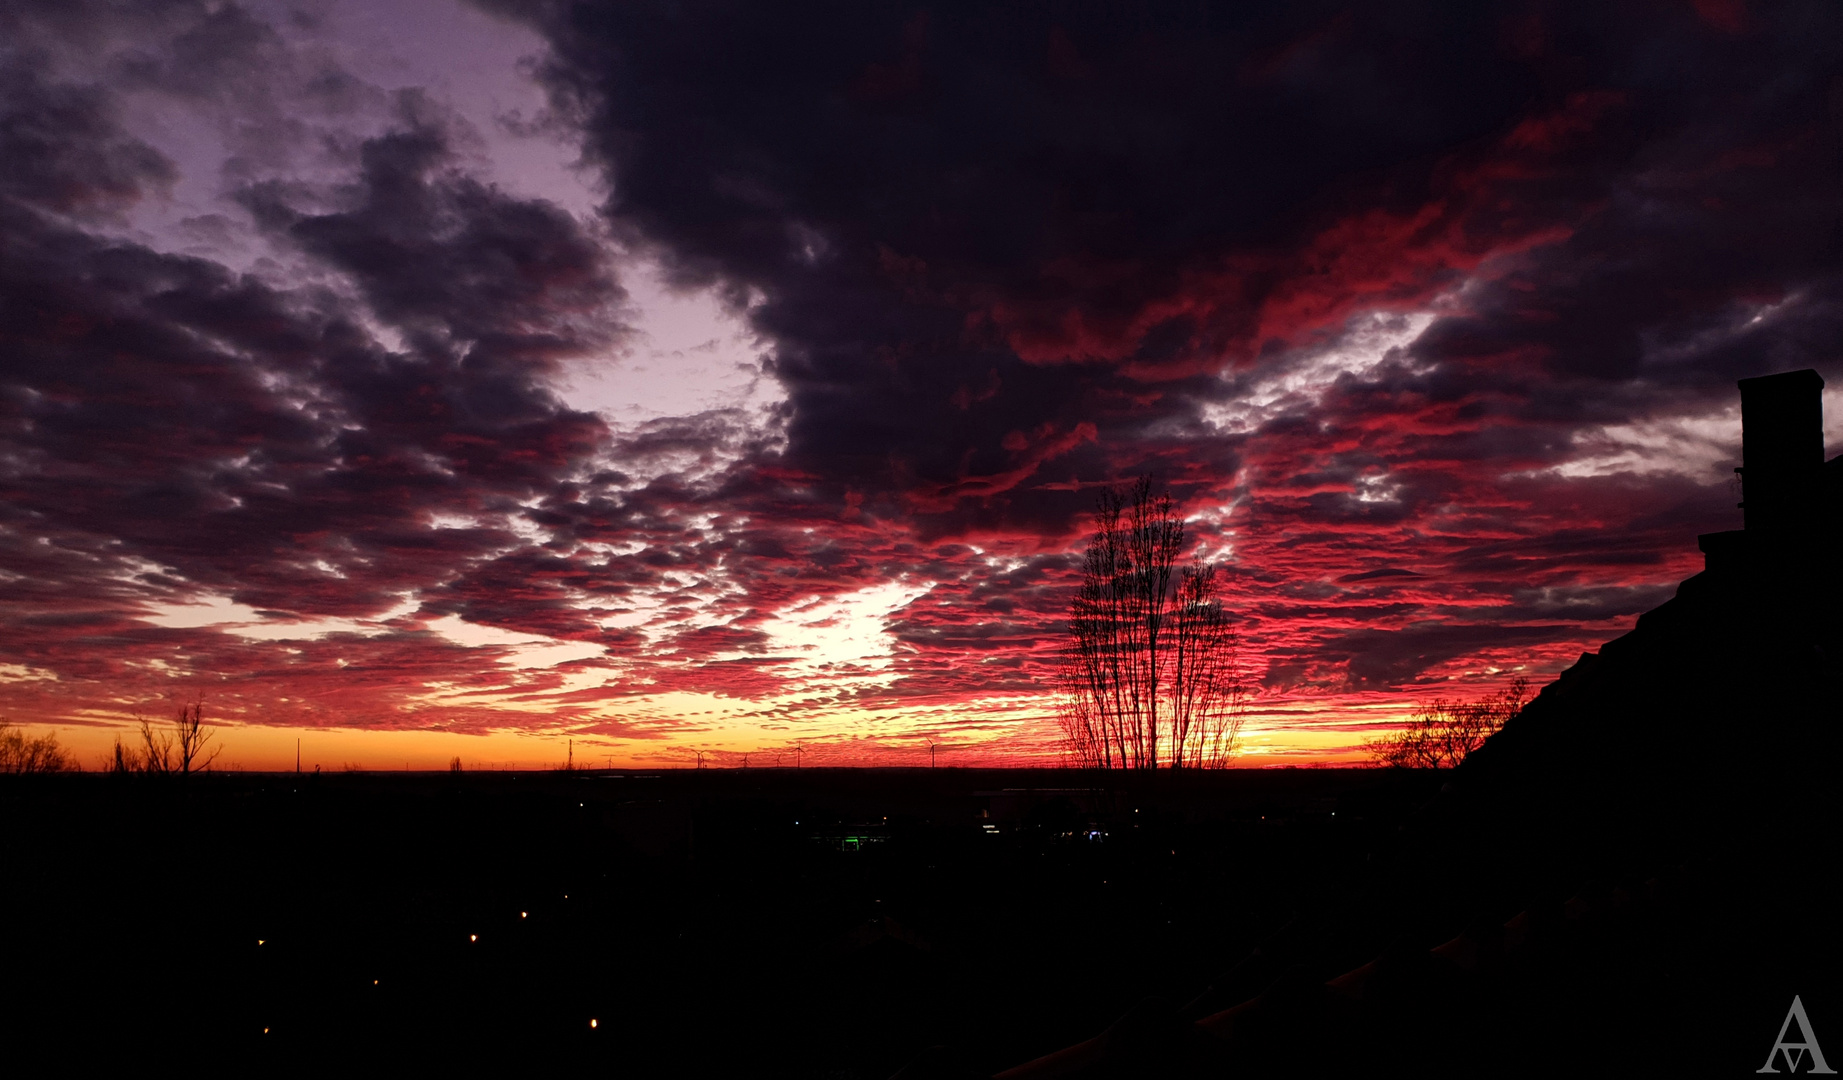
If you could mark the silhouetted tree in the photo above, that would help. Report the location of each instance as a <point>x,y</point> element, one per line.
<point>178,750</point>
<point>1149,676</point>
<point>21,753</point>
<point>1442,732</point>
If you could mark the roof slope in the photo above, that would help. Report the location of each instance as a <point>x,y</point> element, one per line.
<point>1634,872</point>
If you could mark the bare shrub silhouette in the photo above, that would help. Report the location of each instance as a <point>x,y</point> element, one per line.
<point>1150,676</point>
<point>180,749</point>
<point>22,753</point>
<point>1441,732</point>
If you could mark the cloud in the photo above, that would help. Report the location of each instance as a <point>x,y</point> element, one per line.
<point>1429,319</point>
<point>450,261</point>
<point>63,149</point>
<point>320,441</point>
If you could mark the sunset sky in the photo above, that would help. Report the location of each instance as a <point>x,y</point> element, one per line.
<point>422,379</point>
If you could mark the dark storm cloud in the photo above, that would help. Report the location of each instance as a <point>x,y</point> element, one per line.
<point>453,262</point>
<point>220,419</point>
<point>171,428</point>
<point>709,640</point>
<point>62,147</point>
<point>973,233</point>
<point>1380,659</point>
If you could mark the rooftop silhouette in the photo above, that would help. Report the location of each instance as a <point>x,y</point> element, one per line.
<point>1622,874</point>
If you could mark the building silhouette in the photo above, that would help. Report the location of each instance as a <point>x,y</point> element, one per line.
<point>1631,876</point>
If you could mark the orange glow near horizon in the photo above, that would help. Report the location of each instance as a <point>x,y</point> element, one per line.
<point>1310,732</point>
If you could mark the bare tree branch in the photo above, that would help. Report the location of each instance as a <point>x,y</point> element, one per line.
<point>1149,676</point>
<point>1442,733</point>
<point>179,750</point>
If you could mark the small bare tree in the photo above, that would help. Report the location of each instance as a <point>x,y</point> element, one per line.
<point>1441,732</point>
<point>179,750</point>
<point>20,753</point>
<point>1150,675</point>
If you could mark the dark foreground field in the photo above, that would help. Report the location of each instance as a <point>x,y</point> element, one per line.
<point>812,923</point>
<point>836,923</point>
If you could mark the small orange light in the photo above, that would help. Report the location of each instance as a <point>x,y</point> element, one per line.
<point>374,982</point>
<point>473,937</point>
<point>521,914</point>
<point>265,1031</point>
<point>592,1023</point>
<point>259,941</point>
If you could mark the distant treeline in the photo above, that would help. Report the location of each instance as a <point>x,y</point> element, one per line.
<point>179,748</point>
<point>22,753</point>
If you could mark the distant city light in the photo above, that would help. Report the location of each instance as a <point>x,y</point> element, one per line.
<point>259,941</point>
<point>522,914</point>
<point>592,1023</point>
<point>473,937</point>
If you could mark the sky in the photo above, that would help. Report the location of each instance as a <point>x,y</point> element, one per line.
<point>418,379</point>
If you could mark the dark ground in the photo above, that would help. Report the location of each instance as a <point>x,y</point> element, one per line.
<point>709,921</point>
<point>725,923</point>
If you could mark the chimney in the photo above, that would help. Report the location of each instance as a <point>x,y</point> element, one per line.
<point>1782,452</point>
